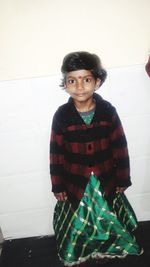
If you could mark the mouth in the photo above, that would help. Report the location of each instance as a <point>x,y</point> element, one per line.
<point>79,95</point>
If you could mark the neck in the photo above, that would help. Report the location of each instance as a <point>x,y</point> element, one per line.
<point>84,107</point>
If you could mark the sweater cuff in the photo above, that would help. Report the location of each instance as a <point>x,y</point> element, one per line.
<point>58,188</point>
<point>124,183</point>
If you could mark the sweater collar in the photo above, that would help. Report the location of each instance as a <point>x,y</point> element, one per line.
<point>73,112</point>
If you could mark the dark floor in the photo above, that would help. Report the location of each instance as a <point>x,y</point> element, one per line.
<point>41,252</point>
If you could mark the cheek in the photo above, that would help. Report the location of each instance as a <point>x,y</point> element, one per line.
<point>68,90</point>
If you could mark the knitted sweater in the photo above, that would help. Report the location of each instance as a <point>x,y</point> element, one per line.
<point>77,149</point>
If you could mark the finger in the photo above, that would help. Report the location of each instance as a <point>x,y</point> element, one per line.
<point>58,196</point>
<point>120,189</point>
<point>64,196</point>
<point>61,196</point>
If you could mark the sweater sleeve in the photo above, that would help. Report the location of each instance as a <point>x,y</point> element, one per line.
<point>56,157</point>
<point>120,153</point>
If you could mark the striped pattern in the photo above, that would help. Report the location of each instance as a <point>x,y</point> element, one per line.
<point>95,229</point>
<point>77,148</point>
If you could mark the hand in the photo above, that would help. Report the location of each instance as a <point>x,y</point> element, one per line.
<point>62,196</point>
<point>120,189</point>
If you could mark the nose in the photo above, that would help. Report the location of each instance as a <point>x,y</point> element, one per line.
<point>79,84</point>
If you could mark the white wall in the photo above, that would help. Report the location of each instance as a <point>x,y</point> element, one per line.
<point>26,201</point>
<point>35,36</point>
<point>26,110</point>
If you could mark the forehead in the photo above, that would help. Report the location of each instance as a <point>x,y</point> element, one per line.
<point>79,73</point>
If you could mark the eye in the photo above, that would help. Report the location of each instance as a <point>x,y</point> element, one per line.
<point>88,80</point>
<point>70,81</point>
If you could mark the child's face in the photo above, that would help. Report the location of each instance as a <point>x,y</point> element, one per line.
<point>81,84</point>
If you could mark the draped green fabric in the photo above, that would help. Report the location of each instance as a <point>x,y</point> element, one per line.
<point>96,228</point>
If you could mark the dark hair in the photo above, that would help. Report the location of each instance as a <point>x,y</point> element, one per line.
<point>83,60</point>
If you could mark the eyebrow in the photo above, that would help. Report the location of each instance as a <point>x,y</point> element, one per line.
<point>80,77</point>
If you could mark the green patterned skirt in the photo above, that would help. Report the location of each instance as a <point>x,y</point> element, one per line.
<point>95,229</point>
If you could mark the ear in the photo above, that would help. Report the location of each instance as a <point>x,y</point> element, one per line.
<point>97,84</point>
<point>65,86</point>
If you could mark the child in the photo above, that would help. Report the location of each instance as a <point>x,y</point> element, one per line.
<point>89,166</point>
